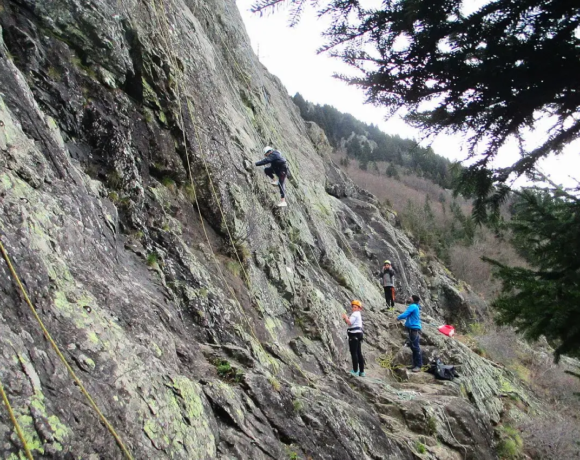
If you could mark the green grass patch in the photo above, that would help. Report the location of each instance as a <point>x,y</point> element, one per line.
<point>420,448</point>
<point>298,406</point>
<point>189,192</point>
<point>169,183</point>
<point>114,180</point>
<point>152,259</point>
<point>275,383</point>
<point>511,445</point>
<point>227,372</point>
<point>234,267</point>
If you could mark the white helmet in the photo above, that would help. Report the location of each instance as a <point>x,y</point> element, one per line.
<point>267,149</point>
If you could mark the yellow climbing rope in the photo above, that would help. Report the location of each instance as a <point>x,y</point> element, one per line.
<point>167,40</point>
<point>180,92</point>
<point>15,423</point>
<point>72,373</point>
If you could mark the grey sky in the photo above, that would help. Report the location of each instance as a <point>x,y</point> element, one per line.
<point>290,54</point>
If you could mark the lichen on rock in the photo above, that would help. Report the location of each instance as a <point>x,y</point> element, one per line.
<point>152,250</point>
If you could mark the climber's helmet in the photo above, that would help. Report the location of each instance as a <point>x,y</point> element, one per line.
<point>267,150</point>
<point>387,262</point>
<point>356,303</point>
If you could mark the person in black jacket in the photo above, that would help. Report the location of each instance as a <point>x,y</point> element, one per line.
<point>278,167</point>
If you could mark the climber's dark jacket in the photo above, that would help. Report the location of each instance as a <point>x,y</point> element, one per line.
<point>277,160</point>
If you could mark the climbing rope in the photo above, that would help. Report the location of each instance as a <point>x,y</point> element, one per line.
<point>192,182</point>
<point>70,370</point>
<point>280,139</point>
<point>212,186</point>
<point>15,423</point>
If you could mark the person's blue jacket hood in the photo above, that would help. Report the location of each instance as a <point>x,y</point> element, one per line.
<point>412,314</point>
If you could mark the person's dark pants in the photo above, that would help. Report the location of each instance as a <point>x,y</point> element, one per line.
<point>281,179</point>
<point>354,343</point>
<point>414,336</point>
<point>390,296</point>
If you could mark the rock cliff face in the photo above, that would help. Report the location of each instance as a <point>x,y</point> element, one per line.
<point>204,321</point>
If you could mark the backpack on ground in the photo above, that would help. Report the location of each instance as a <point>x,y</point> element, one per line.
<point>442,371</point>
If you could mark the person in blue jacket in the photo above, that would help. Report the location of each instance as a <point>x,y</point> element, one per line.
<point>277,166</point>
<point>413,325</point>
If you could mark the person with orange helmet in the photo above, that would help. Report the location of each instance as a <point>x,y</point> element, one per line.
<point>355,338</point>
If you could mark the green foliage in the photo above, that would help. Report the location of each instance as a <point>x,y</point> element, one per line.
<point>489,73</point>
<point>544,299</point>
<point>147,115</point>
<point>227,372</point>
<point>392,171</point>
<point>394,149</point>
<point>189,191</point>
<point>243,251</point>
<point>223,368</point>
<point>234,267</point>
<point>152,259</point>
<point>344,162</point>
<point>54,73</point>
<point>420,448</point>
<point>169,183</point>
<point>275,383</point>
<point>432,425</point>
<point>294,235</point>
<point>298,406</point>
<point>511,444</point>
<point>476,329</point>
<point>114,180</point>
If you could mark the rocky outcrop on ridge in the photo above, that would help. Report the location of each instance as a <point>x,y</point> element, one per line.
<point>204,321</point>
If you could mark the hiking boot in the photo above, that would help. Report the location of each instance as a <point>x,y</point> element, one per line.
<point>416,369</point>
<point>282,204</point>
<point>361,374</point>
<point>354,373</point>
<point>274,182</point>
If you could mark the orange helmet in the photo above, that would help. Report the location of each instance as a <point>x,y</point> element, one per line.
<point>356,303</point>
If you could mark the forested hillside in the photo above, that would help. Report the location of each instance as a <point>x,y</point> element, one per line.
<point>415,182</point>
<point>368,145</point>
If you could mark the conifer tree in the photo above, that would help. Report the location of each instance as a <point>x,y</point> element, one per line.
<point>544,299</point>
<point>493,74</point>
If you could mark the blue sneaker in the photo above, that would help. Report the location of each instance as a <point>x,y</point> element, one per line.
<point>354,373</point>
<point>361,374</point>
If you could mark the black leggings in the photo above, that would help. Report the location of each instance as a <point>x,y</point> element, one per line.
<point>390,296</point>
<point>281,179</point>
<point>355,340</point>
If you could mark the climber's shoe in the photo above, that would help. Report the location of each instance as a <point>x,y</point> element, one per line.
<point>416,369</point>
<point>274,182</point>
<point>361,374</point>
<point>354,373</point>
<point>282,204</point>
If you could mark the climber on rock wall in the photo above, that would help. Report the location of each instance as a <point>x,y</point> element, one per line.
<point>278,167</point>
<point>355,337</point>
